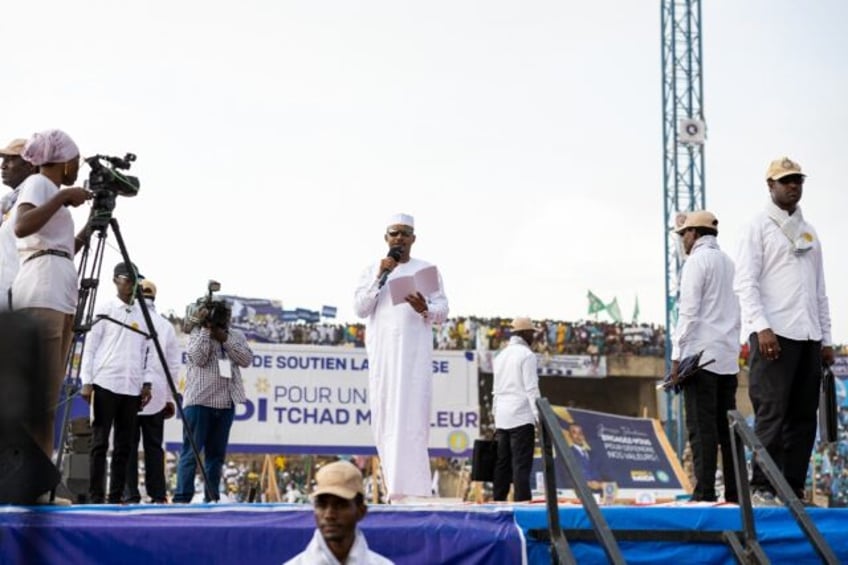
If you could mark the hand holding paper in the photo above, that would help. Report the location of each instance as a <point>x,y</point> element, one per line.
<point>425,281</point>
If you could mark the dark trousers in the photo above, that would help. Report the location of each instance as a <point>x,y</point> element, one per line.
<point>707,397</point>
<point>211,432</point>
<point>514,462</point>
<point>151,428</point>
<point>121,412</point>
<point>785,396</point>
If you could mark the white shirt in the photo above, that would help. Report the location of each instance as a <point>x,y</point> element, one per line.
<point>160,390</point>
<point>317,553</point>
<point>516,385</point>
<point>708,311</point>
<point>9,260</point>
<point>48,281</point>
<point>115,356</point>
<point>778,288</point>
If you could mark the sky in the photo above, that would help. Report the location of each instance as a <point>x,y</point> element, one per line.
<point>275,139</point>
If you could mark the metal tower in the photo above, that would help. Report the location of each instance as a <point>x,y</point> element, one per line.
<point>683,155</point>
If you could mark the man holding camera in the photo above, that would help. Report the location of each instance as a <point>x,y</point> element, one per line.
<point>216,354</point>
<point>113,373</point>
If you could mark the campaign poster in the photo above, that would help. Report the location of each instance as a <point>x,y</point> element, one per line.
<point>628,459</point>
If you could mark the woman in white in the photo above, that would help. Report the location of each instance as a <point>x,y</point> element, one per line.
<point>46,284</point>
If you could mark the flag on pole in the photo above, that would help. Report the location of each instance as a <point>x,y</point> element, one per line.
<point>595,304</point>
<point>613,310</point>
<point>636,311</point>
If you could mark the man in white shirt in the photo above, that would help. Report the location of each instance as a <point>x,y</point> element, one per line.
<point>339,503</point>
<point>151,419</point>
<point>14,171</point>
<point>514,393</point>
<point>785,311</point>
<point>114,383</point>
<point>708,321</point>
<point>399,342</point>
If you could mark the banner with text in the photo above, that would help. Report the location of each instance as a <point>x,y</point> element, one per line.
<point>314,399</point>
<point>629,458</point>
<point>592,366</point>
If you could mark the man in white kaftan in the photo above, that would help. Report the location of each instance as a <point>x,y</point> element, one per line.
<point>399,342</point>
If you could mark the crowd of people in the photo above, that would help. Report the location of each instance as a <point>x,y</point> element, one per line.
<point>580,337</point>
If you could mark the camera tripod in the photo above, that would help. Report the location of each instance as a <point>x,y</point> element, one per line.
<point>89,277</point>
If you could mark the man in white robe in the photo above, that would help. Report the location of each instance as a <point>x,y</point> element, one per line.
<point>399,342</point>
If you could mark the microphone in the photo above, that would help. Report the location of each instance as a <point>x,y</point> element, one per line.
<point>394,253</point>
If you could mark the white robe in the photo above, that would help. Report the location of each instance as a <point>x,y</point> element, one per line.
<point>399,342</point>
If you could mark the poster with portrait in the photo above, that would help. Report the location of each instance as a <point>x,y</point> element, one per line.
<point>629,456</point>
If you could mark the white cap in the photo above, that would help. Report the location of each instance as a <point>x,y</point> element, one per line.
<point>401,220</point>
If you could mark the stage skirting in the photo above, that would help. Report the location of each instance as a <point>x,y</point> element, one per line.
<point>260,534</point>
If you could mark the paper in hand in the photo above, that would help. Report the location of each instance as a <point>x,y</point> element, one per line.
<point>425,281</point>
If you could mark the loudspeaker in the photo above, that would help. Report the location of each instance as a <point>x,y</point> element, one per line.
<point>24,370</point>
<point>25,471</point>
<point>483,459</point>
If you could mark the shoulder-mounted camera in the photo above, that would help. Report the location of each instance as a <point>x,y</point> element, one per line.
<point>208,312</point>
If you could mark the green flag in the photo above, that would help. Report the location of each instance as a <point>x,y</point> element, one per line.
<point>613,310</point>
<point>636,311</point>
<point>595,304</point>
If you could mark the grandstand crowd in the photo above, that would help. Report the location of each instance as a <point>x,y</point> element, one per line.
<point>472,333</point>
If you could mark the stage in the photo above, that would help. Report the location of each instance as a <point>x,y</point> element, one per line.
<point>261,534</point>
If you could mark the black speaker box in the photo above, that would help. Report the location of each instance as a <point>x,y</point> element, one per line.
<point>25,471</point>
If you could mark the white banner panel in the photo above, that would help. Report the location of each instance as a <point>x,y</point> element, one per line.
<point>314,399</point>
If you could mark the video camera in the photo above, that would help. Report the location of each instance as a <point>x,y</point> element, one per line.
<point>106,181</point>
<point>208,312</point>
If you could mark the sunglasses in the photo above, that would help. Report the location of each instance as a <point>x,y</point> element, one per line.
<point>395,233</point>
<point>792,179</point>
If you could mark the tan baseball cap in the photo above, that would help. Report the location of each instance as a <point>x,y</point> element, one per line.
<point>341,479</point>
<point>699,219</point>
<point>15,147</point>
<point>522,324</point>
<point>148,288</point>
<point>783,167</point>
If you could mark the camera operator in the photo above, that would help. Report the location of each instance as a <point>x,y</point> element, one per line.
<point>213,387</point>
<point>45,287</point>
<point>115,383</point>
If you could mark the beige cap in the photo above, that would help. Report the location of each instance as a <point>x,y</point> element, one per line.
<point>15,147</point>
<point>341,479</point>
<point>698,219</point>
<point>523,324</point>
<point>148,288</point>
<point>783,167</point>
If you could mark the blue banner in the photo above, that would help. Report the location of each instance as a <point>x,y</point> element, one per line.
<point>329,311</point>
<point>630,457</point>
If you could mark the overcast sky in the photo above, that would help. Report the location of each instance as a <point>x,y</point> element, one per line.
<point>275,138</point>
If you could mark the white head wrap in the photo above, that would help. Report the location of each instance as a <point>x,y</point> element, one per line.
<point>401,220</point>
<point>51,146</point>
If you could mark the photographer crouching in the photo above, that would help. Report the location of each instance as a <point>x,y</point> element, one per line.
<point>216,354</point>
